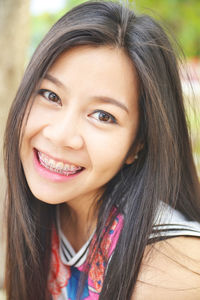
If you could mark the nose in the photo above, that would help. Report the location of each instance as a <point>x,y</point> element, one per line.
<point>64,130</point>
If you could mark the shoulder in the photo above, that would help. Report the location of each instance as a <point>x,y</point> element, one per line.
<point>170,270</point>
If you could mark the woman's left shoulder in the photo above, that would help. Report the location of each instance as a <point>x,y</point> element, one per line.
<point>170,270</point>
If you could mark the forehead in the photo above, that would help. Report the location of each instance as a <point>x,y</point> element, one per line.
<point>100,69</point>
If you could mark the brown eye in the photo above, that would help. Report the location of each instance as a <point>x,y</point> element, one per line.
<point>103,116</point>
<point>50,96</point>
<point>53,97</point>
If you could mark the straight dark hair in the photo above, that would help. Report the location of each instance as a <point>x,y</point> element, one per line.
<point>164,171</point>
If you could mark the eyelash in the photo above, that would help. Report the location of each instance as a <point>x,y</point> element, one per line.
<point>42,92</point>
<point>111,119</point>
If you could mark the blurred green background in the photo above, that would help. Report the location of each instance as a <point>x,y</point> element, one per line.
<point>181,16</point>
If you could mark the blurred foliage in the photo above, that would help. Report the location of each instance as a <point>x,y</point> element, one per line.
<point>41,24</point>
<point>182,16</point>
<point>192,105</point>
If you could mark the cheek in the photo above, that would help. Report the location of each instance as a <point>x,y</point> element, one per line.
<point>35,122</point>
<point>35,118</point>
<point>30,129</point>
<point>107,153</point>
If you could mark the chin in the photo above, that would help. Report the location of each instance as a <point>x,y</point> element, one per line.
<point>46,198</point>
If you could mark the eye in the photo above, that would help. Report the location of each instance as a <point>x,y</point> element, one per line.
<point>103,116</point>
<point>50,96</point>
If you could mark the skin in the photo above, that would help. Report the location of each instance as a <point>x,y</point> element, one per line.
<point>170,270</point>
<point>70,128</point>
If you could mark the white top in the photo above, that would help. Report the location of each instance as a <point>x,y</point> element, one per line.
<point>171,222</point>
<point>168,221</point>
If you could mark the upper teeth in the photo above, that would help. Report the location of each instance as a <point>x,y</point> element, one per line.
<point>57,166</point>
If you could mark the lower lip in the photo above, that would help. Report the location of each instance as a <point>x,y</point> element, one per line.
<point>56,177</point>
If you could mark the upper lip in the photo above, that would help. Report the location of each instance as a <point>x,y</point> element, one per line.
<point>58,159</point>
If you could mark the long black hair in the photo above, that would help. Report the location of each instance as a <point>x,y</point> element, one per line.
<point>164,170</point>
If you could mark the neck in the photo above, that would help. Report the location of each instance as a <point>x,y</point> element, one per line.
<point>78,221</point>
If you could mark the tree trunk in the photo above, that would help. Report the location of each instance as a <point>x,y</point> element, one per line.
<point>14,41</point>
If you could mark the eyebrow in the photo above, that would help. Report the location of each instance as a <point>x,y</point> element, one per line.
<point>102,99</point>
<point>54,80</point>
<point>106,99</point>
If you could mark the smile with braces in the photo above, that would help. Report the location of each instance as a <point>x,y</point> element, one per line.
<point>57,166</point>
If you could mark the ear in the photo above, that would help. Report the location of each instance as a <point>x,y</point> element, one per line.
<point>134,155</point>
<point>131,158</point>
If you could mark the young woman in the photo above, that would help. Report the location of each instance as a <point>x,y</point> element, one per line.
<point>103,199</point>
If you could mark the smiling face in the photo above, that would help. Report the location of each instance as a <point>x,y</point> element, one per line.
<point>82,123</point>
